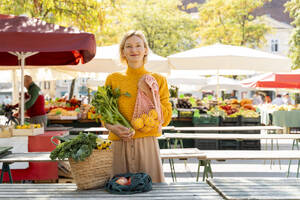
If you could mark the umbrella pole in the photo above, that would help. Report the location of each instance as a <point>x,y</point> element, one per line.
<point>218,84</point>
<point>22,56</point>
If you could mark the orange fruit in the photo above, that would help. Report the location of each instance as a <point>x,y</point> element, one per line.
<point>137,123</point>
<point>149,121</point>
<point>153,114</point>
<point>146,129</point>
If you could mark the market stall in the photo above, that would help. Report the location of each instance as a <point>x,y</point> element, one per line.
<point>32,43</point>
<point>34,170</point>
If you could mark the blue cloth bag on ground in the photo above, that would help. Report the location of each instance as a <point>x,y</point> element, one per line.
<point>129,183</point>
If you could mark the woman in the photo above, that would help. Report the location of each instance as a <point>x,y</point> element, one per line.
<point>133,150</point>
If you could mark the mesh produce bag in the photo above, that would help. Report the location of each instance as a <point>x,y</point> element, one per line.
<point>147,115</point>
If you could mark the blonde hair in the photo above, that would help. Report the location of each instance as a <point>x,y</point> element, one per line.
<point>128,35</point>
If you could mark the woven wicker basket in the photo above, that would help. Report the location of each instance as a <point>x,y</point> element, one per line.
<point>94,171</point>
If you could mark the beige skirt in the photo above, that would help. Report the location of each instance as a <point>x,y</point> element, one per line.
<point>138,155</point>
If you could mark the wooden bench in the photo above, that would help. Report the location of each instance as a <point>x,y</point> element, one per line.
<point>257,188</point>
<point>44,157</point>
<point>239,137</point>
<point>244,155</point>
<point>172,191</point>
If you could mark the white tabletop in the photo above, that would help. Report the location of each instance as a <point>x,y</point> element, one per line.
<point>230,136</point>
<point>228,128</point>
<point>98,129</point>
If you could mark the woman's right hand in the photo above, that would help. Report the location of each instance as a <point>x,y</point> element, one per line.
<point>121,131</point>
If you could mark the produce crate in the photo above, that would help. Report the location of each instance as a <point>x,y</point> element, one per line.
<point>206,144</point>
<point>186,122</point>
<point>250,145</point>
<point>28,132</point>
<point>250,120</point>
<point>228,145</point>
<point>60,117</point>
<point>6,131</point>
<point>205,121</point>
<point>185,113</point>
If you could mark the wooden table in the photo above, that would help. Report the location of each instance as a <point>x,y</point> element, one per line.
<point>45,157</point>
<point>214,136</point>
<point>257,188</point>
<point>162,191</point>
<point>102,129</point>
<point>229,128</point>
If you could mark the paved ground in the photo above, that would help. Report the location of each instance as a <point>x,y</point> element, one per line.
<point>234,168</point>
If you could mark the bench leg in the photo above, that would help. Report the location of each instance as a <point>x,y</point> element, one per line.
<point>168,143</point>
<point>5,168</point>
<point>272,150</point>
<point>266,148</point>
<point>290,162</point>
<point>207,169</point>
<point>298,168</point>
<point>173,173</point>
<point>200,163</point>
<point>277,145</point>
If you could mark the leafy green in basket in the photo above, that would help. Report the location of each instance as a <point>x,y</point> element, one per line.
<point>78,148</point>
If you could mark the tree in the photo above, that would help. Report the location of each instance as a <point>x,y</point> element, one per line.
<point>231,22</point>
<point>86,15</point>
<point>293,6</point>
<point>167,28</point>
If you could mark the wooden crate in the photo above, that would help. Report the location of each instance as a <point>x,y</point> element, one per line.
<point>60,117</point>
<point>28,132</point>
<point>66,180</point>
<point>6,131</point>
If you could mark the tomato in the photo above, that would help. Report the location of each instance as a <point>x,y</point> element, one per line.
<point>122,181</point>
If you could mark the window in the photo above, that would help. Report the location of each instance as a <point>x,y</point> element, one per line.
<point>274,46</point>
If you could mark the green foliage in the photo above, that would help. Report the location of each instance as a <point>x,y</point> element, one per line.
<point>167,28</point>
<point>105,101</point>
<point>86,15</point>
<point>231,22</point>
<point>293,7</point>
<point>78,148</point>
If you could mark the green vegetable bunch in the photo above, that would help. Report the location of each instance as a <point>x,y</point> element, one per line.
<point>78,148</point>
<point>105,101</point>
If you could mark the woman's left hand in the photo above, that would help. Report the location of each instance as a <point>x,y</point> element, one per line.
<point>142,85</point>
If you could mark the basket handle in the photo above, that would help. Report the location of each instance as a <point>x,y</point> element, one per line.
<point>53,141</point>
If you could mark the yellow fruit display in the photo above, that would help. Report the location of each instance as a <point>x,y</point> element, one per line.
<point>137,123</point>
<point>103,144</point>
<point>18,127</point>
<point>153,114</point>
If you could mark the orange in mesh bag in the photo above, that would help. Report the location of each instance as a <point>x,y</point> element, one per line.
<point>147,115</point>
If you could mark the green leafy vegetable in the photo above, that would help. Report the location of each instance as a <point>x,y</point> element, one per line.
<point>78,148</point>
<point>105,101</point>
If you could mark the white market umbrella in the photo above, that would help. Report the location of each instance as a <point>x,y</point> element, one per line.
<point>223,84</point>
<point>107,60</point>
<point>228,57</point>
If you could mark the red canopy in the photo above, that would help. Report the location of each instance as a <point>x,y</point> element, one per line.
<point>273,80</point>
<point>56,45</point>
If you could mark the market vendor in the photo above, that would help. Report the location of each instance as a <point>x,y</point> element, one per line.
<point>35,103</point>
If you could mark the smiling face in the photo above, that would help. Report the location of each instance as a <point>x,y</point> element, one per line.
<point>134,50</point>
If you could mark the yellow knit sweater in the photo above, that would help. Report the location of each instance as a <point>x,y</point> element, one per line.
<point>127,82</point>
